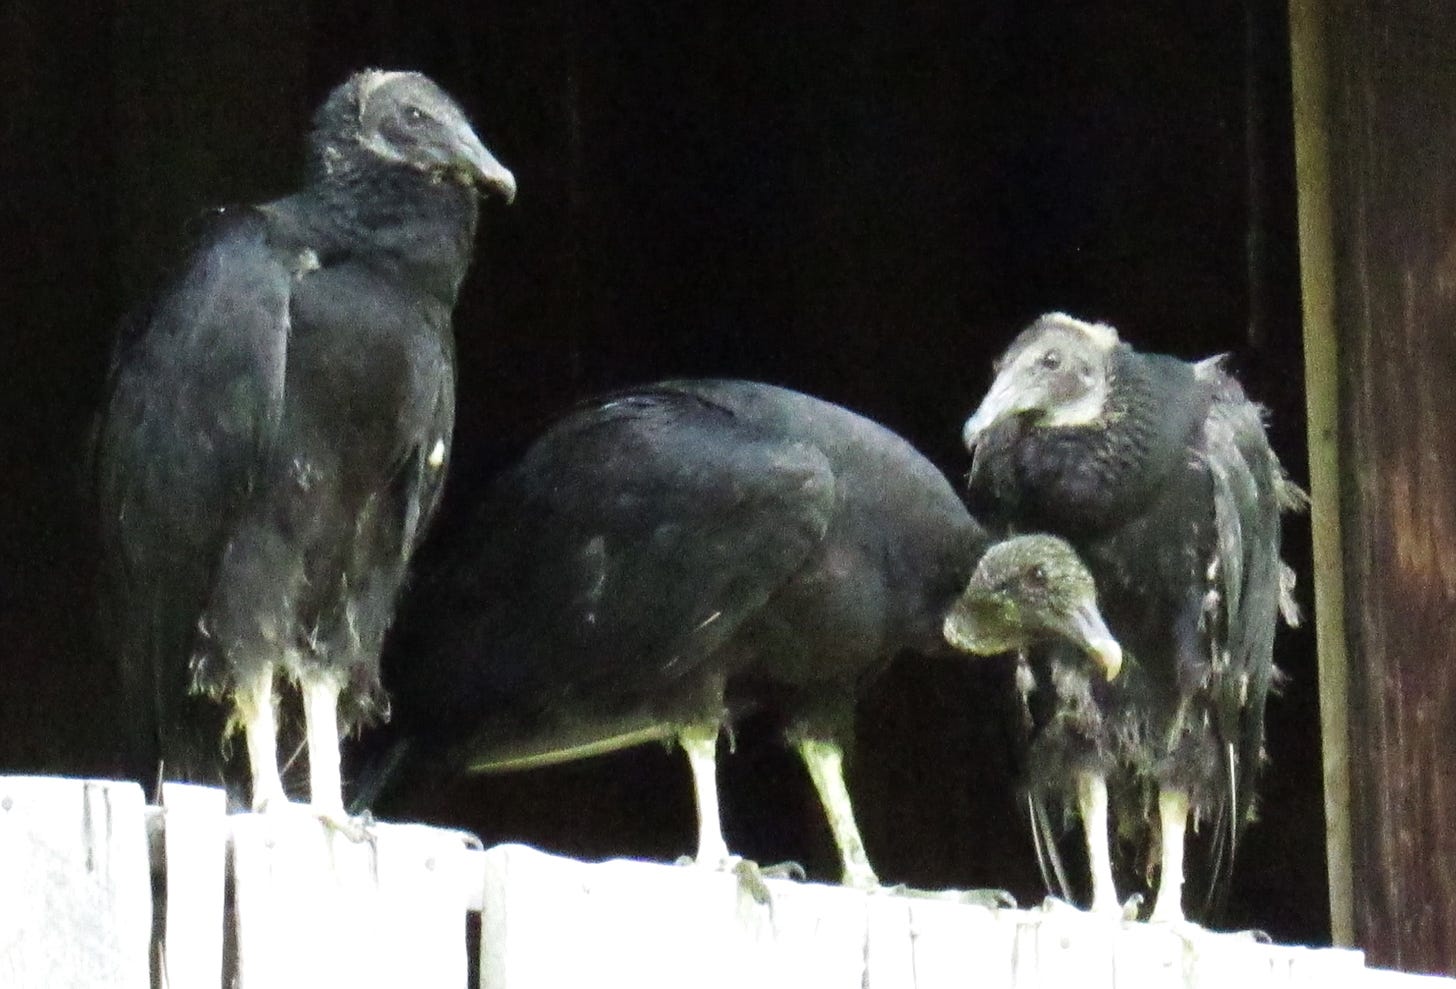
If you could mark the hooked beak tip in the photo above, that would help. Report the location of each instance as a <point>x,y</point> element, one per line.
<point>484,170</point>
<point>974,427</point>
<point>502,183</point>
<point>1108,655</point>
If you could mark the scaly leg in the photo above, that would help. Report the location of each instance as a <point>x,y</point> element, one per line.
<point>700,743</point>
<point>1173,822</point>
<point>1092,804</point>
<point>326,788</point>
<point>254,701</point>
<point>321,719</point>
<point>825,762</point>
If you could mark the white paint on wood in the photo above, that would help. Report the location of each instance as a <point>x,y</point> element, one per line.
<point>317,909</point>
<point>194,857</point>
<point>75,884</point>
<point>550,922</point>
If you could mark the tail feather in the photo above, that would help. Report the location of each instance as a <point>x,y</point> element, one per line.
<point>1047,855</point>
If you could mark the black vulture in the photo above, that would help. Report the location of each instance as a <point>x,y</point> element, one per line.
<point>1032,590</point>
<point>275,438</point>
<point>1159,473</point>
<point>663,561</point>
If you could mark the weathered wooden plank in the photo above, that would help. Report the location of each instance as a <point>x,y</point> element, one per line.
<point>194,857</point>
<point>314,908</point>
<point>75,897</point>
<point>551,922</point>
<point>950,940</point>
<point>1390,82</point>
<point>660,925</point>
<point>1321,381</point>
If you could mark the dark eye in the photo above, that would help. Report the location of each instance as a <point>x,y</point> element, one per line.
<point>1036,576</point>
<point>1051,360</point>
<point>414,114</point>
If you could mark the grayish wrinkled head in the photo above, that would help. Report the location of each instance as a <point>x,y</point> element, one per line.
<point>404,118</point>
<point>1056,372</point>
<point>1031,589</point>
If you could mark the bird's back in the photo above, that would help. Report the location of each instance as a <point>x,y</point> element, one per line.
<point>679,535</point>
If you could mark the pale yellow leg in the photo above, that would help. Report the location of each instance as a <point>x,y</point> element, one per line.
<point>254,700</point>
<point>700,744</point>
<point>1092,805</point>
<point>825,762</point>
<point>1173,824</point>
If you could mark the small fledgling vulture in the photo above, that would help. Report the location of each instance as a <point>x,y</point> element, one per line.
<point>275,436</point>
<point>1159,473</point>
<point>663,561</point>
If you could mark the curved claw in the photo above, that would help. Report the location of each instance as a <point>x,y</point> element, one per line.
<point>356,829</point>
<point>751,878</point>
<point>751,881</point>
<point>1132,907</point>
<point>784,870</point>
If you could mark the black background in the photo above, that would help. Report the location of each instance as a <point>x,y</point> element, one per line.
<point>863,200</point>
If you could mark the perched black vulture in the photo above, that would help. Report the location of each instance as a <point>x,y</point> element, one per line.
<point>1032,590</point>
<point>1159,472</point>
<point>664,560</point>
<point>275,436</point>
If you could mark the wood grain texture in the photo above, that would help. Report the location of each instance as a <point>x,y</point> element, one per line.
<point>75,898</point>
<point>1309,72</point>
<point>317,909</point>
<point>195,859</point>
<point>1391,84</point>
<point>550,921</point>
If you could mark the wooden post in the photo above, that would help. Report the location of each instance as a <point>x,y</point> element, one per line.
<point>317,909</point>
<point>1380,286</point>
<point>1321,377</point>
<point>75,884</point>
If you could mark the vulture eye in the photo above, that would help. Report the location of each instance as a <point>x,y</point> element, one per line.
<point>414,114</point>
<point>1051,360</point>
<point>1036,576</point>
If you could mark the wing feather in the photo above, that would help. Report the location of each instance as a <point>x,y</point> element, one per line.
<point>194,402</point>
<point>1253,588</point>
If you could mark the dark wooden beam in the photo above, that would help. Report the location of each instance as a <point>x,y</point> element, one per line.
<point>1321,370</point>
<point>1380,88</point>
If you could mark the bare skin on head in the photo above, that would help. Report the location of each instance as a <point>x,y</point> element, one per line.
<point>1031,589</point>
<point>1160,472</point>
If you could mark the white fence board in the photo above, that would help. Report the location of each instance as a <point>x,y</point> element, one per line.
<point>317,909</point>
<point>313,908</point>
<point>75,884</point>
<point>194,856</point>
<point>550,922</point>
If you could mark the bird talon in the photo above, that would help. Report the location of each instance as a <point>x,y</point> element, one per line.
<point>784,870</point>
<point>1132,906</point>
<point>751,881</point>
<point>359,829</point>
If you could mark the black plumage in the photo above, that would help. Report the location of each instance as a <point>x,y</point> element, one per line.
<point>665,560</point>
<point>1160,474</point>
<point>275,433</point>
